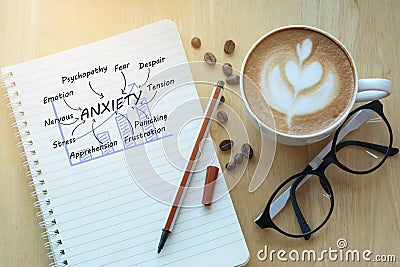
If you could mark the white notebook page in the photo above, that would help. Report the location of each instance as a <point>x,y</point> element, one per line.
<point>103,211</point>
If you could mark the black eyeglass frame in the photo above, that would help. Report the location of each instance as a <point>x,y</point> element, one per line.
<point>265,220</point>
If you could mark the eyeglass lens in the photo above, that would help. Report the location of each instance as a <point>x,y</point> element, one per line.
<point>313,201</point>
<point>355,150</point>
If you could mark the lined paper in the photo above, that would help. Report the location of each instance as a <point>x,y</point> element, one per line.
<point>109,206</point>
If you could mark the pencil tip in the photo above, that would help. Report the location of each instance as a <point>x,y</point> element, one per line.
<point>159,250</point>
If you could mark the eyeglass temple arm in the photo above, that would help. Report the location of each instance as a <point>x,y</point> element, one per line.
<point>379,148</point>
<point>305,228</point>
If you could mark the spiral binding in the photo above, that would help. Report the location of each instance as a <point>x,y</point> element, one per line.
<point>58,263</point>
<point>33,184</point>
<point>19,124</point>
<point>49,245</point>
<point>6,85</point>
<point>7,75</point>
<point>43,212</point>
<point>47,234</point>
<point>46,224</point>
<point>18,135</point>
<point>27,163</point>
<point>41,203</point>
<point>36,193</point>
<point>34,173</point>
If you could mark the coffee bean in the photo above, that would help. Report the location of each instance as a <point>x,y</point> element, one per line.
<point>209,58</point>
<point>229,47</point>
<point>196,42</point>
<point>222,116</point>
<point>233,79</point>
<point>247,151</point>
<point>227,69</point>
<point>238,158</point>
<point>221,100</point>
<point>230,166</point>
<point>225,145</point>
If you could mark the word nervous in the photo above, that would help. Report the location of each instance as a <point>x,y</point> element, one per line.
<point>110,105</point>
<point>61,119</point>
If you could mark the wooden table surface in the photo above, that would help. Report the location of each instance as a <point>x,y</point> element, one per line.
<point>367,210</point>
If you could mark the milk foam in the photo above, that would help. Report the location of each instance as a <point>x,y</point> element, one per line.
<point>298,87</point>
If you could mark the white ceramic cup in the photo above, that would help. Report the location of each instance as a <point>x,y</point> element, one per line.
<point>364,90</point>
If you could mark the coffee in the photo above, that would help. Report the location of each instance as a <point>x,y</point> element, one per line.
<point>210,58</point>
<point>305,77</point>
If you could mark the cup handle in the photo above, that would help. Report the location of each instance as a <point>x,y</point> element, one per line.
<point>373,88</point>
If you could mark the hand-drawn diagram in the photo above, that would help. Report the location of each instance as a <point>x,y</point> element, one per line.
<point>103,128</point>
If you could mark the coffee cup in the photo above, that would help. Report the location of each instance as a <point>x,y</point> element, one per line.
<point>299,83</point>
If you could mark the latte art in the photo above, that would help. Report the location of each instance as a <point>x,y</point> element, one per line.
<point>297,88</point>
<point>305,78</point>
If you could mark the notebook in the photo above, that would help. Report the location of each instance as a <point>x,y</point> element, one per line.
<point>105,139</point>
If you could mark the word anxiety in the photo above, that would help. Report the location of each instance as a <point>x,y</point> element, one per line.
<point>110,106</point>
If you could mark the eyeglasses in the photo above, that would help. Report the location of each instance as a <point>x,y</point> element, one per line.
<point>359,152</point>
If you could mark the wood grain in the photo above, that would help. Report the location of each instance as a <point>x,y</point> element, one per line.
<point>367,210</point>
